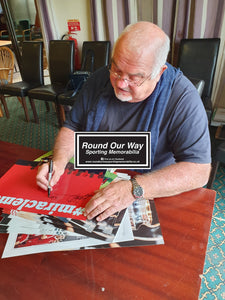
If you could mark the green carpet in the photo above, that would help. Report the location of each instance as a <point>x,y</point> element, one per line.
<point>213,279</point>
<point>16,130</point>
<point>41,136</point>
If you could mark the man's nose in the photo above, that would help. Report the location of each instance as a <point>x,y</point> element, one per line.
<point>122,81</point>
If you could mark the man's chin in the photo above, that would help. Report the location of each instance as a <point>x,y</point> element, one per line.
<point>124,98</point>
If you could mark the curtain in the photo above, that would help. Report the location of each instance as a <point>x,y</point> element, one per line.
<point>110,17</point>
<point>178,18</point>
<point>46,16</point>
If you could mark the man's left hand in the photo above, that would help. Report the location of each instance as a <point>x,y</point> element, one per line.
<point>113,198</point>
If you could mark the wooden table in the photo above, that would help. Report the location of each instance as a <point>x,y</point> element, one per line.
<point>5,43</point>
<point>220,132</point>
<point>10,153</point>
<point>170,271</point>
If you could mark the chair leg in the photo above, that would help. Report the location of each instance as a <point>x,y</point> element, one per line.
<point>212,176</point>
<point>60,113</point>
<point>1,112</point>
<point>47,106</point>
<point>23,100</point>
<point>32,104</point>
<point>5,106</point>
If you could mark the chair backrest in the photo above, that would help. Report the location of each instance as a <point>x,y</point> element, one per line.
<point>32,62</point>
<point>198,58</point>
<point>24,24</point>
<point>199,84</point>
<point>95,55</point>
<point>61,61</point>
<point>6,65</point>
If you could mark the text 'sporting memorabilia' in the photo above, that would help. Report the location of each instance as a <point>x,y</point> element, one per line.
<point>123,150</point>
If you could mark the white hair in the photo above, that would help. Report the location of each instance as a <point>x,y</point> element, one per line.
<point>160,57</point>
<point>160,52</point>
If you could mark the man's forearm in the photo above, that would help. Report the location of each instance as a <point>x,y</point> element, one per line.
<point>64,146</point>
<point>174,179</point>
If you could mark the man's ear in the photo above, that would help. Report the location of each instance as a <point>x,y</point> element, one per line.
<point>164,67</point>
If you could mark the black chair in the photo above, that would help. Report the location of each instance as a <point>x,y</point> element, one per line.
<point>94,56</point>
<point>61,63</point>
<point>219,158</point>
<point>31,73</point>
<point>197,59</point>
<point>199,84</point>
<point>24,28</point>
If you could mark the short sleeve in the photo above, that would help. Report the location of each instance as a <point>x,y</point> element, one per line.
<point>188,133</point>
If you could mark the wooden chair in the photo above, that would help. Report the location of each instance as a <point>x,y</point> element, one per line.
<point>6,72</point>
<point>6,64</point>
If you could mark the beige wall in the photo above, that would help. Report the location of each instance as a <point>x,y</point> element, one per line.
<point>22,10</point>
<point>64,10</point>
<point>59,11</point>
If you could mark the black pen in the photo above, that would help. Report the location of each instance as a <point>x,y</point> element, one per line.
<point>50,176</point>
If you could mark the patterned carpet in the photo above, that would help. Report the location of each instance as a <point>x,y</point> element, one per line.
<point>41,136</point>
<point>213,279</point>
<point>16,130</point>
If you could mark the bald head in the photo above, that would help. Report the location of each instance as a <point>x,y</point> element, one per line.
<point>142,40</point>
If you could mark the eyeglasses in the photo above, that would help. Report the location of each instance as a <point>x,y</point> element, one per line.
<point>136,81</point>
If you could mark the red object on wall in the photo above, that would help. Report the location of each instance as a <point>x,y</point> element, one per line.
<point>73,25</point>
<point>76,52</point>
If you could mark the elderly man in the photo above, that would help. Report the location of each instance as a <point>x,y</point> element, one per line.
<point>140,92</point>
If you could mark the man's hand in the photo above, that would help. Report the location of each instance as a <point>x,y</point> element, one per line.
<point>63,151</point>
<point>42,175</point>
<point>115,197</point>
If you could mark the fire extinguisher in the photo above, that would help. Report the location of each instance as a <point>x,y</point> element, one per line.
<point>70,36</point>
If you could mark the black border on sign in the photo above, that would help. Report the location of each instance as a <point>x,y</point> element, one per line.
<point>105,134</point>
